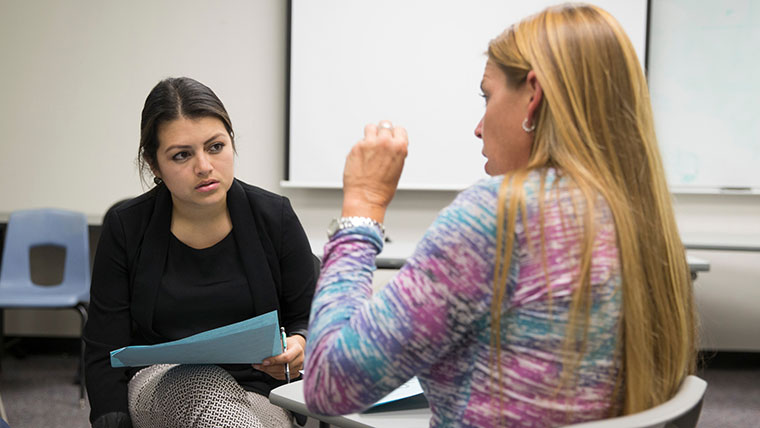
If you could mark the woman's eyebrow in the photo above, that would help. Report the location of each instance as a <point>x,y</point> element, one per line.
<point>189,146</point>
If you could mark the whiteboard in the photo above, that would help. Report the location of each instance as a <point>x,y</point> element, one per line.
<point>704,64</point>
<point>417,63</point>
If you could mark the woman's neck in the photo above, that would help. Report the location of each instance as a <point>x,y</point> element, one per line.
<point>200,227</point>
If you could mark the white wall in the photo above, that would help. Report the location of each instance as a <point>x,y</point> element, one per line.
<point>75,75</point>
<point>249,76</point>
<point>728,295</point>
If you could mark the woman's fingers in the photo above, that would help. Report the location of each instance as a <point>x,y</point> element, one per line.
<point>384,127</point>
<point>277,371</point>
<point>370,130</point>
<point>294,356</point>
<point>373,169</point>
<point>400,137</point>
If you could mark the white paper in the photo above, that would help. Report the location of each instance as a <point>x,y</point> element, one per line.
<point>409,389</point>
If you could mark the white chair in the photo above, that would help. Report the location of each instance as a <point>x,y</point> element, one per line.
<point>681,411</point>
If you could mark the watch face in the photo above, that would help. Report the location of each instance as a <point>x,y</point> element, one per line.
<point>332,228</point>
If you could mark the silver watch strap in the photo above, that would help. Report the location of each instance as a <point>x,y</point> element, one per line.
<point>353,221</point>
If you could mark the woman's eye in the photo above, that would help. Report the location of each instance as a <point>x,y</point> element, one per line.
<point>216,147</point>
<point>180,156</point>
<point>485,97</point>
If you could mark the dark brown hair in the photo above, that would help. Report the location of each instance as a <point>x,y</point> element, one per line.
<point>171,99</point>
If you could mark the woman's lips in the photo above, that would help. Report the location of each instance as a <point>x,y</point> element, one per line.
<point>207,186</point>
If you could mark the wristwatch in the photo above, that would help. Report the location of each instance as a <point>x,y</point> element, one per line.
<point>348,222</point>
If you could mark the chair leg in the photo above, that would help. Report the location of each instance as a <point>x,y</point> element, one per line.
<point>3,415</point>
<point>2,337</point>
<point>83,314</point>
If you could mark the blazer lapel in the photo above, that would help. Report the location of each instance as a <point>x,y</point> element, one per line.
<point>151,262</point>
<point>252,254</point>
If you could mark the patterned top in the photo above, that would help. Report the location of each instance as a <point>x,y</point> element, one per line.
<point>433,319</point>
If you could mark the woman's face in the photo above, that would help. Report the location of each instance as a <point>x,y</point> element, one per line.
<point>506,145</point>
<point>195,160</point>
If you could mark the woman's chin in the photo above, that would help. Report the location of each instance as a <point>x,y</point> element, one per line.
<point>491,170</point>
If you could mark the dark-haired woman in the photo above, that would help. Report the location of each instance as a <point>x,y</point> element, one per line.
<point>198,251</point>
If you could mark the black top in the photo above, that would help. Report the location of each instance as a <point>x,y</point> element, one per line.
<point>204,288</point>
<point>130,263</point>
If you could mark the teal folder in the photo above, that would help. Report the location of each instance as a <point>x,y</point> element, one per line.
<point>245,342</point>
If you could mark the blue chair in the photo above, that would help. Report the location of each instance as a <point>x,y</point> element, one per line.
<point>42,227</point>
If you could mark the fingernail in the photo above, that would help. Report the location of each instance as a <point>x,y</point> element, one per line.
<point>265,363</point>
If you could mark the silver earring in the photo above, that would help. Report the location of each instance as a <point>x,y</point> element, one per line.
<point>527,128</point>
<point>157,180</point>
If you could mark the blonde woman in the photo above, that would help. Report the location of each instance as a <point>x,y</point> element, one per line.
<point>556,291</point>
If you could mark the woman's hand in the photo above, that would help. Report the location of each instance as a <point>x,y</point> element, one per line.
<point>293,356</point>
<point>373,168</point>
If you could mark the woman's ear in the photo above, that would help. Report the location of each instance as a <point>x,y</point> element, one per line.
<point>155,171</point>
<point>536,94</point>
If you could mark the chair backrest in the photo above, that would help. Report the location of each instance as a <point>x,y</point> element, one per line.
<point>681,411</point>
<point>47,226</point>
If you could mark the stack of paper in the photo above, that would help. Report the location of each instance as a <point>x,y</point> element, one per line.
<point>410,389</point>
<point>245,342</point>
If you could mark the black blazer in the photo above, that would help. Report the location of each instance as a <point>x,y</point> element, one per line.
<point>129,264</point>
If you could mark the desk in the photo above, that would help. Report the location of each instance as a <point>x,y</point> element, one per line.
<point>290,397</point>
<point>721,242</point>
<point>697,265</point>
<point>394,256</point>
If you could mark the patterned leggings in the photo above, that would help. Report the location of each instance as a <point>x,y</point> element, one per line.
<point>198,396</point>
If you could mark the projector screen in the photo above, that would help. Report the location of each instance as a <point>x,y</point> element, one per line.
<point>416,63</point>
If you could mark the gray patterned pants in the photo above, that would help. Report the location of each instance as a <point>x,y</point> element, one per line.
<point>198,396</point>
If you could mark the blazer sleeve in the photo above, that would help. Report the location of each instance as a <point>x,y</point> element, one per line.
<point>109,322</point>
<point>299,271</point>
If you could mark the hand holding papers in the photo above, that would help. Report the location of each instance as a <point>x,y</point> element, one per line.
<point>245,342</point>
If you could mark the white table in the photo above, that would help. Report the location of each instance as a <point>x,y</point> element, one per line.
<point>395,254</point>
<point>697,265</point>
<point>721,242</point>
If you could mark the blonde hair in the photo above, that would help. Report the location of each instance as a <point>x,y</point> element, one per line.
<point>595,127</point>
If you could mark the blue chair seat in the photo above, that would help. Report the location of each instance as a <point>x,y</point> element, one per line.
<point>59,298</point>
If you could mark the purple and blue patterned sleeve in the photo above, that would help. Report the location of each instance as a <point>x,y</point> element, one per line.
<point>362,346</point>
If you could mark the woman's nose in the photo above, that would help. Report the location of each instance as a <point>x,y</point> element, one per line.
<point>479,129</point>
<point>203,165</point>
